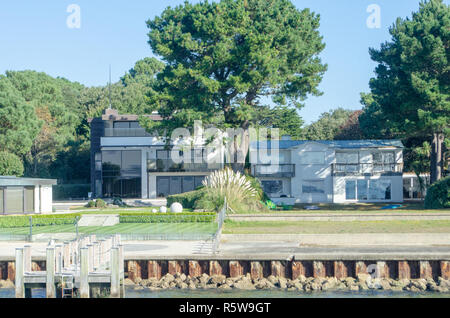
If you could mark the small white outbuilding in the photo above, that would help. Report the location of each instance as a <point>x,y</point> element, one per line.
<point>25,195</point>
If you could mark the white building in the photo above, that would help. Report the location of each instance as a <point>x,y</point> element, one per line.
<point>25,195</point>
<point>331,171</point>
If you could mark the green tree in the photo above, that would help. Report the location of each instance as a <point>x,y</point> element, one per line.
<point>411,87</point>
<point>328,125</point>
<point>19,124</point>
<point>10,164</point>
<point>222,58</point>
<point>284,118</point>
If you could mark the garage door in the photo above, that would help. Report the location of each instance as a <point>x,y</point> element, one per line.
<point>168,185</point>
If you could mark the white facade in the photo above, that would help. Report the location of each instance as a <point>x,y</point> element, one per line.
<point>332,172</point>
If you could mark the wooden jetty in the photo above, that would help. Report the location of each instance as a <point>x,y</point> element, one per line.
<point>83,267</point>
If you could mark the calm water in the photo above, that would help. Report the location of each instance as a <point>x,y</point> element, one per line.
<point>130,293</point>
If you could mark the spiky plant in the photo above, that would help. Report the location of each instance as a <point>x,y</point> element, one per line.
<point>231,184</point>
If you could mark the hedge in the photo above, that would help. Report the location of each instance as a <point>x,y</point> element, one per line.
<point>187,199</point>
<point>69,191</point>
<point>438,195</point>
<point>38,220</point>
<point>167,218</point>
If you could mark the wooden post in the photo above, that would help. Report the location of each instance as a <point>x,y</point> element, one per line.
<point>115,273</point>
<point>404,270</point>
<point>50,268</point>
<point>84,273</point>
<point>20,285</point>
<point>256,270</point>
<point>319,269</point>
<point>121,271</point>
<point>95,254</point>
<point>58,264</point>
<point>66,255</point>
<point>102,251</point>
<point>27,258</point>
<point>90,248</point>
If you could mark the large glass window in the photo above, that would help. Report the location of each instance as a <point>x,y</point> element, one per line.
<point>383,157</point>
<point>121,173</point>
<point>362,190</point>
<point>14,200</point>
<point>316,186</point>
<point>312,157</point>
<point>350,190</point>
<point>347,157</point>
<point>380,190</point>
<point>272,186</point>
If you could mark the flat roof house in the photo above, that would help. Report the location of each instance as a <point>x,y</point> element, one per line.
<point>331,171</point>
<point>128,162</point>
<point>25,195</point>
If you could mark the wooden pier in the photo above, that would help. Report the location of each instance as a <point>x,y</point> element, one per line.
<point>83,268</point>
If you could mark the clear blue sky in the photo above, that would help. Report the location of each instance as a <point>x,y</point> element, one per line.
<point>34,35</point>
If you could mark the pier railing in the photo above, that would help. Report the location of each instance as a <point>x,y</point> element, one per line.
<point>220,220</point>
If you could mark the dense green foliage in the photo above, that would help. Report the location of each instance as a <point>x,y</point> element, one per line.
<point>438,195</point>
<point>10,164</point>
<point>168,218</point>
<point>38,220</point>
<point>223,57</point>
<point>410,94</point>
<point>328,126</point>
<point>187,200</point>
<point>70,191</point>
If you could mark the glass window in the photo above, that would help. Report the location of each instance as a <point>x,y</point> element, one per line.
<point>111,160</point>
<point>272,186</point>
<point>134,124</point>
<point>350,190</point>
<point>131,163</point>
<point>1,200</point>
<point>14,200</point>
<point>380,190</point>
<point>312,157</point>
<point>313,186</point>
<point>362,190</point>
<point>347,157</point>
<point>121,124</point>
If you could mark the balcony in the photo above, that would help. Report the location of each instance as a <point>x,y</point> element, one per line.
<point>167,165</point>
<point>367,169</point>
<point>275,171</point>
<point>126,132</point>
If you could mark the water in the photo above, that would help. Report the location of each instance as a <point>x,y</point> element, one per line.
<point>145,293</point>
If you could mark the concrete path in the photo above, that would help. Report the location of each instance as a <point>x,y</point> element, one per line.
<point>343,217</point>
<point>99,220</point>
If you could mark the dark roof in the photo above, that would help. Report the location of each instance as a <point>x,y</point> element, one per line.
<point>113,114</point>
<point>15,181</point>
<point>343,144</point>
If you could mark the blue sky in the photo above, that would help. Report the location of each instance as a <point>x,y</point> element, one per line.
<point>34,35</point>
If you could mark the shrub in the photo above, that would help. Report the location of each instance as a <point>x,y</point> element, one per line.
<point>69,191</point>
<point>167,218</point>
<point>99,203</point>
<point>90,204</point>
<point>38,220</point>
<point>237,188</point>
<point>187,199</point>
<point>10,164</point>
<point>438,195</point>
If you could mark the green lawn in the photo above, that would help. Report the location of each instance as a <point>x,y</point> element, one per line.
<point>311,227</point>
<point>125,228</point>
<point>359,208</point>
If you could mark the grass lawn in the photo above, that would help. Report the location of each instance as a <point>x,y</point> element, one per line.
<point>311,227</point>
<point>358,208</point>
<point>125,228</point>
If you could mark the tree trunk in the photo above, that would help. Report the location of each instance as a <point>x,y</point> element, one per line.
<point>240,151</point>
<point>436,157</point>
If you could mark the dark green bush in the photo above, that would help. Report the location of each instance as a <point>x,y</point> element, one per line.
<point>38,220</point>
<point>10,164</point>
<point>90,204</point>
<point>70,191</point>
<point>167,217</point>
<point>438,195</point>
<point>187,199</point>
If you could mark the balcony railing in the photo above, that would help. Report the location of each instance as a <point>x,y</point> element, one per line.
<point>167,165</point>
<point>277,171</point>
<point>126,132</point>
<point>367,169</point>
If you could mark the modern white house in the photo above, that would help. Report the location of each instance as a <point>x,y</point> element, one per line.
<point>128,162</point>
<point>25,195</point>
<point>331,171</point>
